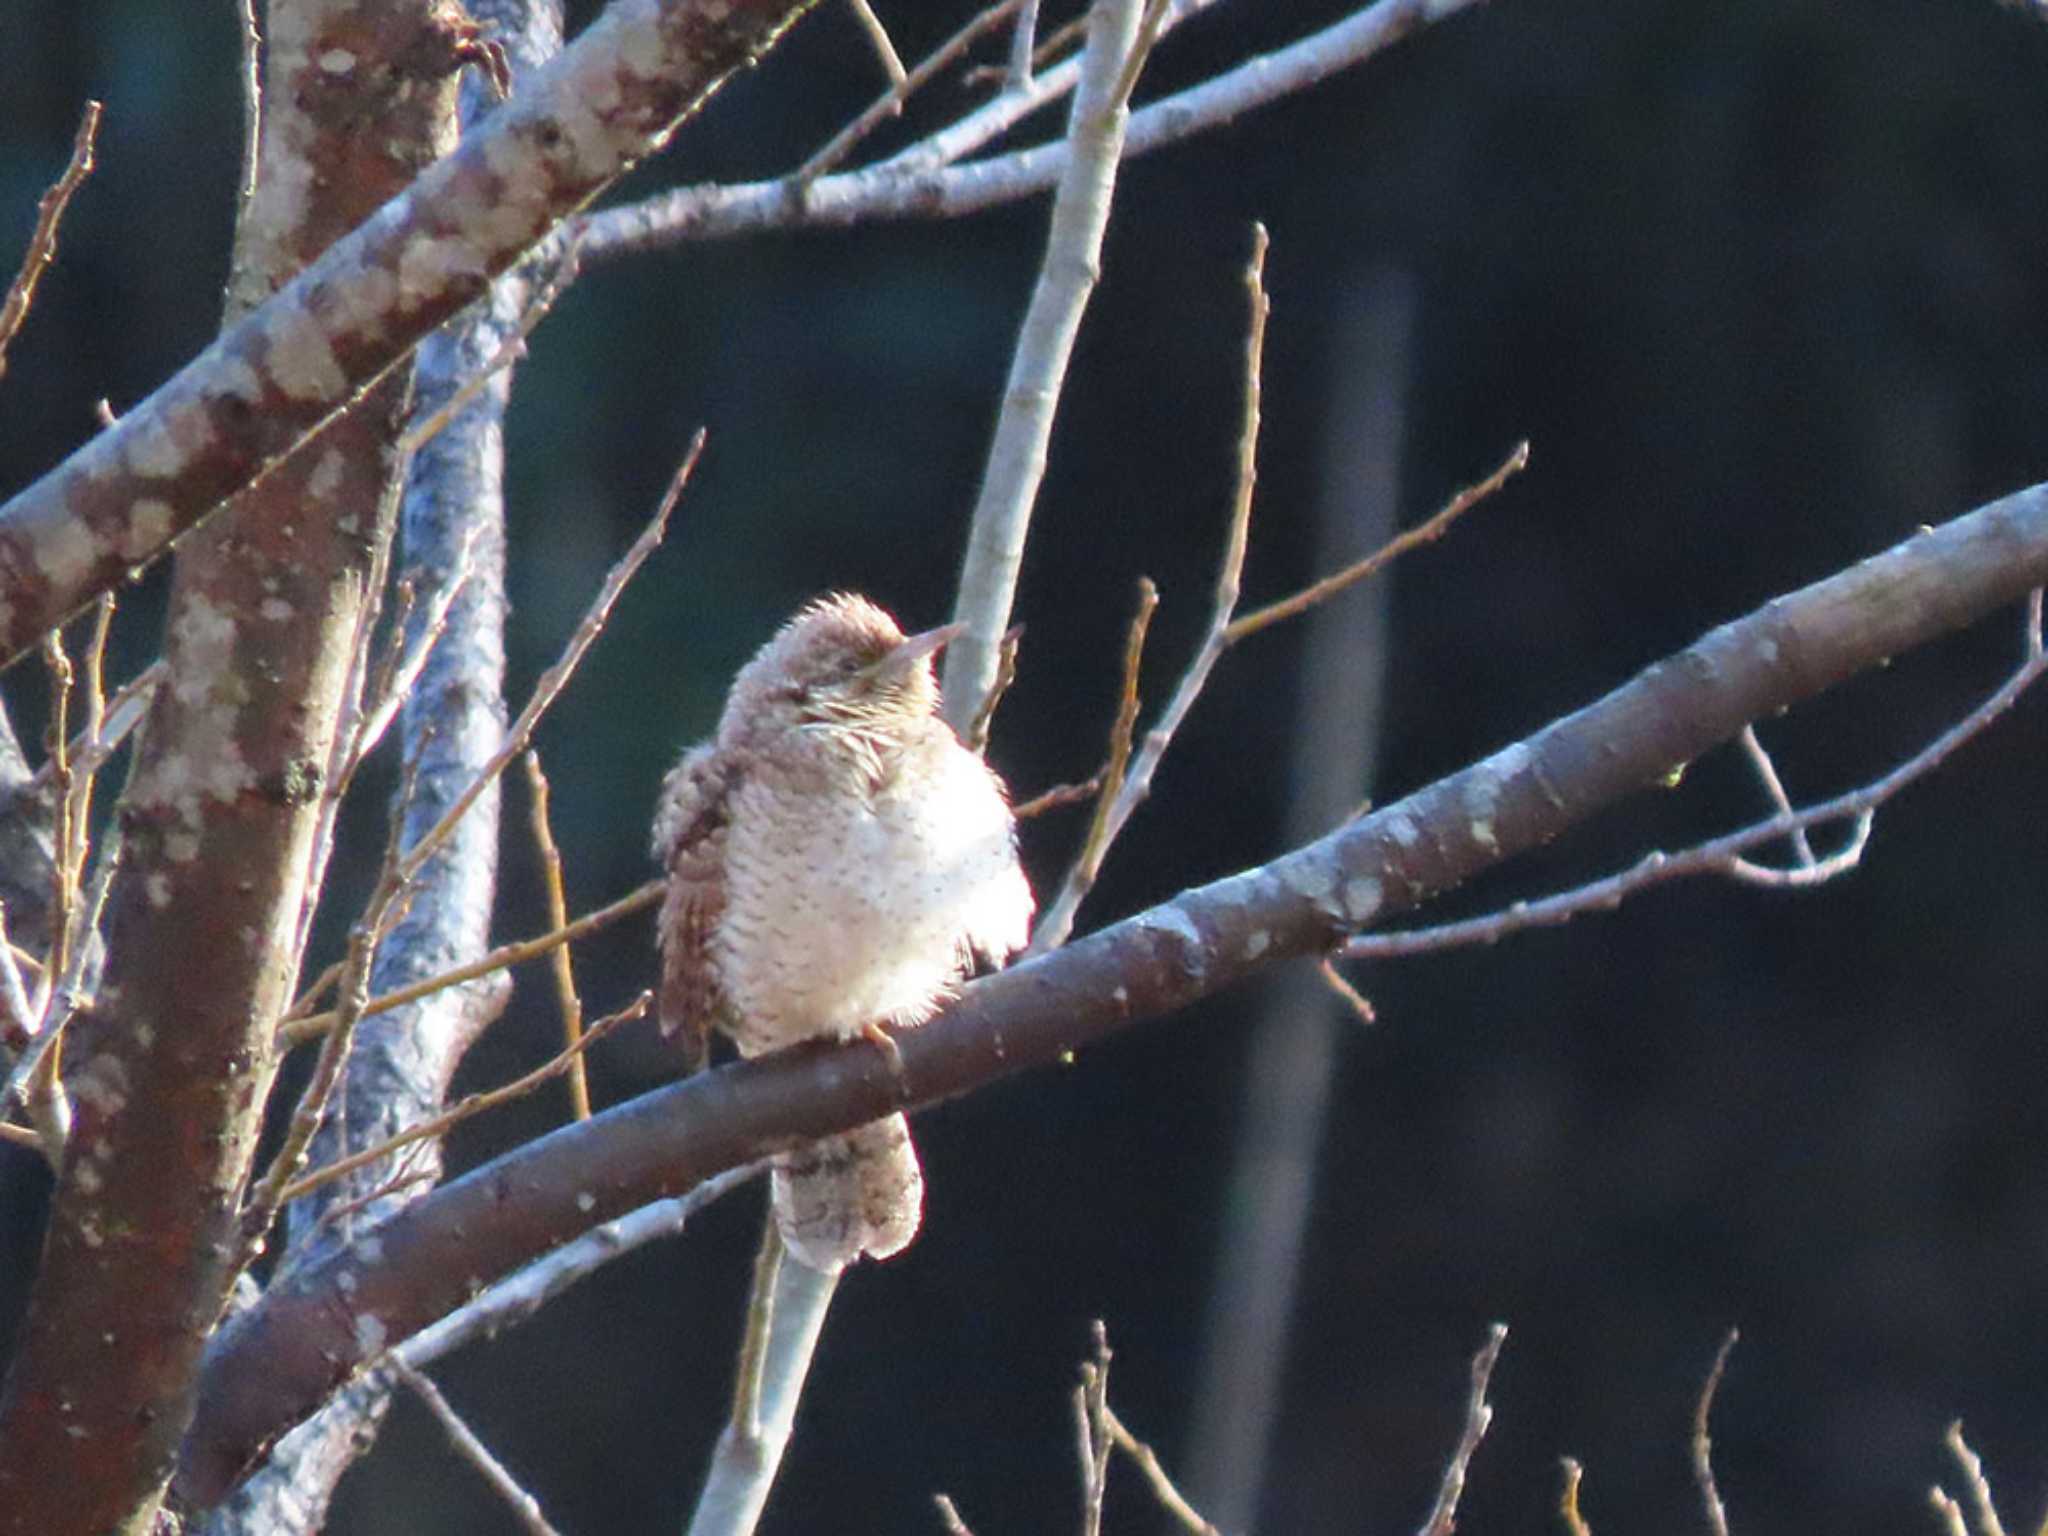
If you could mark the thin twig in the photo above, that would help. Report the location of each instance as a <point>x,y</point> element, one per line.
<point>522,1295</point>
<point>890,102</point>
<point>1091,1413</point>
<point>1774,787</point>
<point>392,682</point>
<point>878,39</point>
<point>1006,673</point>
<point>1443,1518</point>
<point>1088,862</point>
<point>42,244</point>
<point>388,899</point>
<point>524,1506</point>
<point>1066,280</point>
<point>1058,921</point>
<point>1023,43</point>
<point>125,708</point>
<point>1059,795</point>
<point>1568,1499</point>
<point>251,39</point>
<point>949,1516</point>
<point>1353,999</point>
<point>557,676</point>
<point>63,877</point>
<point>1170,1498</point>
<point>1720,856</point>
<point>509,351</point>
<point>300,1028</point>
<point>1948,1511</point>
<point>1425,533</point>
<point>754,1336</point>
<point>558,917</point>
<point>1703,1444</point>
<point>471,1104</point>
<point>1974,1481</point>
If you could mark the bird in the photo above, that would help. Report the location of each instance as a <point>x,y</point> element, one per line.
<point>836,861</point>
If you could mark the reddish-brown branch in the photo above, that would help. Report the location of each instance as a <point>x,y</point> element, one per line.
<point>42,245</point>
<point>275,1362</point>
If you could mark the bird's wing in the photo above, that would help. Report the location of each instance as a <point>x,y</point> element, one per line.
<point>689,839</point>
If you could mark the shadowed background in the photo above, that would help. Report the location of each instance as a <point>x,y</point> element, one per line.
<point>1761,283</point>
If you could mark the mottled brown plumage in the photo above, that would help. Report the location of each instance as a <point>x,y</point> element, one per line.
<point>836,861</point>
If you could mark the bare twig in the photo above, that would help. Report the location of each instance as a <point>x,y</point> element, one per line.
<point>890,102</point>
<point>1703,1444</point>
<point>251,39</point>
<point>558,917</point>
<point>311,1026</point>
<point>1721,855</point>
<point>125,708</point>
<point>878,39</point>
<point>927,180</point>
<point>509,351</point>
<point>1091,1419</point>
<point>1038,367</point>
<point>976,738</point>
<point>1974,1482</point>
<point>1948,1511</point>
<point>388,900</point>
<point>1059,795</point>
<point>1058,920</point>
<point>552,681</point>
<point>471,1104</point>
<point>1088,862</point>
<point>1424,533</point>
<point>42,244</point>
<point>1023,42</point>
<point>523,1294</point>
<point>1170,1498</point>
<point>410,646</point>
<point>1568,1499</point>
<point>524,1506</point>
<point>1774,787</point>
<point>949,1516</point>
<point>1353,999</point>
<point>1443,1518</point>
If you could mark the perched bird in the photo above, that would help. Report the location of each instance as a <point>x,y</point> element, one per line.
<point>836,861</point>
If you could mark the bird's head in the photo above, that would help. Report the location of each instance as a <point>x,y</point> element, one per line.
<point>841,661</point>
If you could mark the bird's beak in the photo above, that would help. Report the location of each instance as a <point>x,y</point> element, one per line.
<point>916,647</point>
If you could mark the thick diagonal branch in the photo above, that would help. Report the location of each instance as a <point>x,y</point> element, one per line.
<point>275,377</point>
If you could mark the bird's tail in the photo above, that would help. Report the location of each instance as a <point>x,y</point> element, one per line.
<point>848,1195</point>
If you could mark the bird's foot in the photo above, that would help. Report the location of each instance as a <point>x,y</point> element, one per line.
<point>892,1054</point>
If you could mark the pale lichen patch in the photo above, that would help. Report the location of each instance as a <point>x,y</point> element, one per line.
<point>337,61</point>
<point>150,447</point>
<point>1402,830</point>
<point>236,380</point>
<point>149,529</point>
<point>427,268</point>
<point>158,888</point>
<point>276,609</point>
<point>1257,943</point>
<point>68,552</point>
<point>301,361</point>
<point>1363,897</point>
<point>327,474</point>
<point>370,1334</point>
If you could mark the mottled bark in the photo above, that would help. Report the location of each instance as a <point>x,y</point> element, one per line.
<point>280,373</point>
<point>170,1073</point>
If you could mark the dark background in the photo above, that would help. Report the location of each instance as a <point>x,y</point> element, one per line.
<point>1762,282</point>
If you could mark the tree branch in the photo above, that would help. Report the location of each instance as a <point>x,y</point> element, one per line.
<point>279,374</point>
<point>917,184</point>
<point>275,1362</point>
